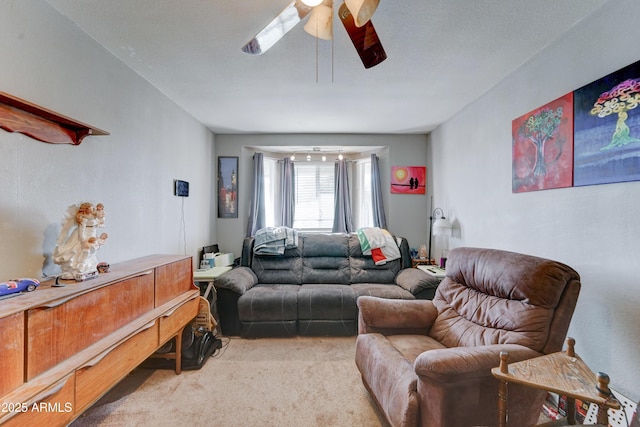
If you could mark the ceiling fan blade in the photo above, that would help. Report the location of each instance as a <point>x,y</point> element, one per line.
<point>277,28</point>
<point>365,39</point>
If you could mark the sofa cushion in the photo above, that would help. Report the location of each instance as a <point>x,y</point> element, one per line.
<point>412,346</point>
<point>325,259</point>
<point>279,269</point>
<point>326,302</point>
<point>331,245</point>
<point>364,270</point>
<point>269,303</point>
<point>381,290</point>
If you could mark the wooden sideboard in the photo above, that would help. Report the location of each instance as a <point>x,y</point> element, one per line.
<point>62,348</point>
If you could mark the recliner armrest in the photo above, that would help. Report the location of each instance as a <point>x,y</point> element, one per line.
<point>394,316</point>
<point>239,280</point>
<point>458,363</point>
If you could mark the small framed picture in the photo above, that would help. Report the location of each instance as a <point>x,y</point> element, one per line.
<point>408,179</point>
<point>227,187</point>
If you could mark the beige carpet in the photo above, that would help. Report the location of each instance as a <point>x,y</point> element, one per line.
<point>263,382</point>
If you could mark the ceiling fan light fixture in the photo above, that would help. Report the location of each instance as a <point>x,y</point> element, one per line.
<point>320,23</point>
<point>312,3</point>
<point>362,10</point>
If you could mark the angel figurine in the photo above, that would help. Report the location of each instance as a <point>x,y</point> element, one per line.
<point>78,241</point>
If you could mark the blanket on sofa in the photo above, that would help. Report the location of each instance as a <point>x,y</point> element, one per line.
<point>274,240</point>
<point>378,243</point>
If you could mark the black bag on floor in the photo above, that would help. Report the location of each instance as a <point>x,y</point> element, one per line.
<point>196,350</point>
<point>195,356</point>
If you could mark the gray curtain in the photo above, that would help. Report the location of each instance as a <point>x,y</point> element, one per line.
<point>287,187</point>
<point>377,205</point>
<point>342,218</point>
<point>256,212</point>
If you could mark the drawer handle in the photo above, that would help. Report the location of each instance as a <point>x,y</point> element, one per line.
<point>144,273</point>
<point>51,392</point>
<point>108,351</point>
<point>174,309</point>
<point>58,302</point>
<point>147,326</point>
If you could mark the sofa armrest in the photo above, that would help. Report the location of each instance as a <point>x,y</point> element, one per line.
<point>415,280</point>
<point>394,316</point>
<point>453,364</point>
<point>238,280</point>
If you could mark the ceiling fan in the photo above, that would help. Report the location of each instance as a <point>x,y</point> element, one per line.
<point>355,16</point>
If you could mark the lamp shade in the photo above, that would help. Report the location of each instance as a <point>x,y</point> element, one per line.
<point>442,227</point>
<point>362,10</point>
<point>312,3</point>
<point>320,23</point>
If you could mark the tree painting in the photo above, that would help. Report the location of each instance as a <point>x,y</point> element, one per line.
<point>540,128</point>
<point>542,144</point>
<point>607,129</point>
<point>619,100</point>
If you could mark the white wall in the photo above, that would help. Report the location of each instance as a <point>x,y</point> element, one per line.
<point>594,229</point>
<point>47,60</point>
<point>406,214</point>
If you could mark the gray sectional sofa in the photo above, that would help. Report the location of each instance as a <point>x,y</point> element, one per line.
<point>311,289</point>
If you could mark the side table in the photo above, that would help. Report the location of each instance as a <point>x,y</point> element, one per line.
<point>209,276</point>
<point>433,270</point>
<point>563,373</point>
<point>421,261</point>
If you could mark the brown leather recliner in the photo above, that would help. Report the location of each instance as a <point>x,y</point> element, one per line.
<point>429,363</point>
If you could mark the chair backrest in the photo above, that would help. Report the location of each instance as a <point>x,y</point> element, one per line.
<point>497,297</point>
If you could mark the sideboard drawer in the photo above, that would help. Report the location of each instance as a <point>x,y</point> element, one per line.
<point>108,368</point>
<point>12,351</point>
<point>62,328</point>
<point>172,280</point>
<point>53,407</point>
<point>174,320</point>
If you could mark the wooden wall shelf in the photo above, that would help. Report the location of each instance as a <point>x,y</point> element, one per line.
<point>18,115</point>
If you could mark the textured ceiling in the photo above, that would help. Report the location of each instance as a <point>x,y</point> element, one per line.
<point>442,55</point>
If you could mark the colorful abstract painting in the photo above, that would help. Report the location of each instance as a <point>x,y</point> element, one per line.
<point>607,129</point>
<point>542,144</point>
<point>408,179</point>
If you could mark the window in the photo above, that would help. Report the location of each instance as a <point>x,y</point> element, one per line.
<point>314,196</point>
<point>314,187</point>
<point>362,209</point>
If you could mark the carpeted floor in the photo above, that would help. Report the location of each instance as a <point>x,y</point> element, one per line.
<point>264,382</point>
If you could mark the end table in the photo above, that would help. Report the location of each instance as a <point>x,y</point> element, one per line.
<point>563,373</point>
<point>434,270</point>
<point>209,276</point>
<point>415,262</point>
